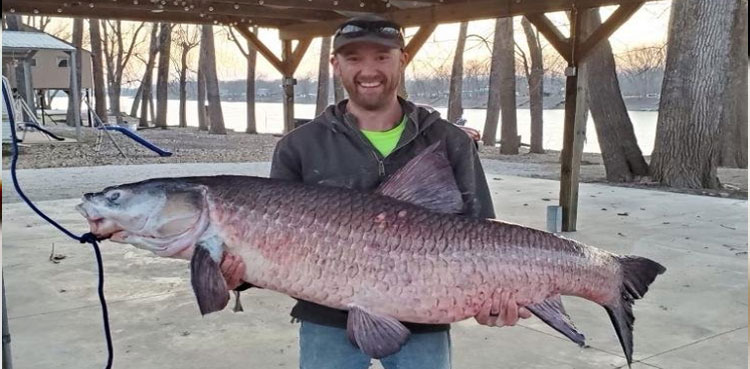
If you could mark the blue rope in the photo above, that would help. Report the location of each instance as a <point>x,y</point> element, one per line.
<point>85,238</point>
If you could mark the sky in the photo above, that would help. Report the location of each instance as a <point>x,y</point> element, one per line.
<point>647,27</point>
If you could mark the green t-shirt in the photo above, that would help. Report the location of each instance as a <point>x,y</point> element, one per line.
<point>386,141</point>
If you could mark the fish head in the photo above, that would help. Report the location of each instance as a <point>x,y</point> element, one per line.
<point>163,216</point>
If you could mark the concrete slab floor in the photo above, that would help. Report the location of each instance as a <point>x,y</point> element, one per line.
<point>694,316</point>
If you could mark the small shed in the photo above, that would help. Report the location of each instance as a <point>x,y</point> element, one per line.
<point>48,58</point>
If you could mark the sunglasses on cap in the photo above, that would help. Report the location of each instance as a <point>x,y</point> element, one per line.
<point>358,29</point>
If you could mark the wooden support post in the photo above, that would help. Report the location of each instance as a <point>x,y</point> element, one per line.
<point>290,59</point>
<point>288,83</point>
<point>552,34</point>
<point>606,29</point>
<point>7,362</point>
<point>418,40</point>
<point>75,94</point>
<point>258,45</point>
<point>571,152</point>
<point>29,87</point>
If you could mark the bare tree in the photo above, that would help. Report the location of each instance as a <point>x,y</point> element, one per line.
<point>502,90</point>
<point>688,131</point>
<point>14,23</point>
<point>201,88</point>
<point>623,160</point>
<point>455,94</point>
<point>251,55</point>
<point>216,118</point>
<point>97,66</point>
<point>643,67</point>
<point>734,119</point>
<point>148,76</point>
<point>117,56</point>
<point>535,77</point>
<point>74,95</point>
<point>162,75</point>
<point>39,22</point>
<point>187,38</point>
<point>324,75</point>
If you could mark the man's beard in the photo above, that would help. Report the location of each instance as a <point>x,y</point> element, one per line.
<point>372,101</point>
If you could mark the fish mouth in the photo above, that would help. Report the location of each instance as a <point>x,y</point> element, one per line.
<point>99,226</point>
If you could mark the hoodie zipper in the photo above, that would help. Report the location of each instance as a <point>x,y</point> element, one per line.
<point>381,165</point>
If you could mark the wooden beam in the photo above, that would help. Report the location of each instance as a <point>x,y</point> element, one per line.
<point>418,40</point>
<point>206,8</point>
<point>33,8</point>
<point>552,34</point>
<point>297,55</point>
<point>288,83</point>
<point>454,12</point>
<point>617,19</point>
<point>258,45</point>
<point>343,5</point>
<point>569,158</point>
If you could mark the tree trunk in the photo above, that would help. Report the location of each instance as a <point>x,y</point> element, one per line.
<point>201,88</point>
<point>216,118</point>
<point>162,75</point>
<point>688,131</point>
<point>734,119</point>
<point>136,100</point>
<point>98,70</point>
<point>338,89</point>
<point>74,95</point>
<point>489,134</point>
<point>623,160</point>
<point>509,142</point>
<point>323,75</point>
<point>14,22</point>
<point>148,76</point>
<point>252,57</point>
<point>183,85</point>
<point>502,90</point>
<point>536,88</point>
<point>455,103</point>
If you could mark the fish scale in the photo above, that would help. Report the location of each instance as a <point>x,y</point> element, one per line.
<point>343,220</point>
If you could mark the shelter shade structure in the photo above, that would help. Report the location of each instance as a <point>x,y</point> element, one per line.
<point>49,63</point>
<point>303,20</point>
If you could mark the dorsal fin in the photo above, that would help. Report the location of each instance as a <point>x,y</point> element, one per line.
<point>426,180</point>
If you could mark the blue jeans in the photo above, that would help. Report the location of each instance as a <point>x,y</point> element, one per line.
<point>324,347</point>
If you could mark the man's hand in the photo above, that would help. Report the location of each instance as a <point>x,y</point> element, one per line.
<point>499,316</point>
<point>233,270</point>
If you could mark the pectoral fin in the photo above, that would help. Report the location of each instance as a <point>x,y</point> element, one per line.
<point>552,312</point>
<point>208,283</point>
<point>376,335</point>
<point>237,303</point>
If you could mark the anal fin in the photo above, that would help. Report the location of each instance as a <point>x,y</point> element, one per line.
<point>552,312</point>
<point>209,285</point>
<point>376,335</point>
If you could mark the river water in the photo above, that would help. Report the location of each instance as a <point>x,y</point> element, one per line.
<point>269,119</point>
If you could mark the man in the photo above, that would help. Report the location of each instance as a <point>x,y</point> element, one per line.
<point>357,144</point>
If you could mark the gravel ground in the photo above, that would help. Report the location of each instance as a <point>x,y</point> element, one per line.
<point>189,145</point>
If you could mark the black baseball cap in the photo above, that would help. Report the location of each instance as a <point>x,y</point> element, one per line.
<point>369,28</point>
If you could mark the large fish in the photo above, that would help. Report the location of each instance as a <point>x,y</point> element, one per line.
<point>399,254</point>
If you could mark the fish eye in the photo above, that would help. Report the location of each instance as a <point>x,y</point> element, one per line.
<point>114,196</point>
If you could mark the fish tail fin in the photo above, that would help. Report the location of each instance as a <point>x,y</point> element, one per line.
<point>637,274</point>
